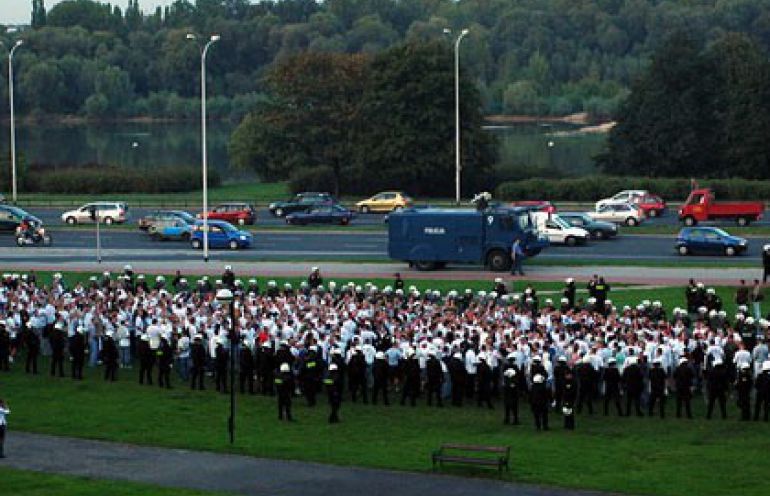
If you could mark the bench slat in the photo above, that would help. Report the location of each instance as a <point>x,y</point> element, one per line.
<point>468,447</point>
<point>477,461</point>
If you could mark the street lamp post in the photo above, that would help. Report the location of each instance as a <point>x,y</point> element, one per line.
<point>458,165</point>
<point>214,38</point>
<point>225,297</point>
<point>13,120</point>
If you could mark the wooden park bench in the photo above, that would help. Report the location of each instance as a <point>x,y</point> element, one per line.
<point>495,456</point>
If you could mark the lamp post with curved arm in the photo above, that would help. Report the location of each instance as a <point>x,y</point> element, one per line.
<point>13,120</point>
<point>458,164</point>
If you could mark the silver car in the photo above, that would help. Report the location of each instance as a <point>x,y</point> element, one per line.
<point>107,212</point>
<point>619,213</point>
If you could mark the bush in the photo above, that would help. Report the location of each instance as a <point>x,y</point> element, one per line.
<point>311,179</point>
<point>106,179</point>
<point>593,188</point>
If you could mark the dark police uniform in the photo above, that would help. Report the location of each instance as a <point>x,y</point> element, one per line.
<point>110,359</point>
<point>683,379</point>
<point>284,385</point>
<point>198,356</point>
<point>657,389</point>
<point>435,380</point>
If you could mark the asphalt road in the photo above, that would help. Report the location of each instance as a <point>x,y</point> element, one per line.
<point>79,244</point>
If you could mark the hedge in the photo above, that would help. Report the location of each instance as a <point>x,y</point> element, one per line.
<point>107,179</point>
<point>593,188</point>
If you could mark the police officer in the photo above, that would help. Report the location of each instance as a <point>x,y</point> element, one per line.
<point>657,388</point>
<point>5,348</point>
<point>110,357</point>
<point>539,399</point>
<point>763,391</point>
<point>568,398</point>
<point>743,386</point>
<point>165,360</point>
<point>246,369</point>
<point>357,375</point>
<point>435,378</point>
<point>458,376</point>
<point>483,382</point>
<point>309,374</point>
<point>511,395</point>
<point>198,356</point>
<point>380,376</point>
<point>612,387</point>
<point>586,374</point>
<point>32,341</point>
<point>284,385</point>
<point>683,380</point>
<point>314,279</point>
<point>559,373</point>
<point>569,291</point>
<point>78,353</point>
<point>58,343</point>
<point>411,388</point>
<point>146,360</point>
<point>228,277</point>
<point>221,359</point>
<point>717,388</point>
<point>266,368</point>
<point>334,392</point>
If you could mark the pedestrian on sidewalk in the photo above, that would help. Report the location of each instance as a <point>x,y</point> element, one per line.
<point>3,425</point>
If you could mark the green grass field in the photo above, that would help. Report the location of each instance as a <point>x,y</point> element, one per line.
<point>633,455</point>
<point>28,483</point>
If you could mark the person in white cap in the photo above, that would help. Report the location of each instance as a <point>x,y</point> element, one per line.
<point>333,386</point>
<point>539,400</point>
<point>743,386</point>
<point>411,387</point>
<point>314,279</point>
<point>633,379</point>
<point>569,291</point>
<point>511,396</point>
<point>380,378</point>
<point>284,385</point>
<point>762,386</point>
<point>717,388</point>
<point>146,359</point>
<point>228,277</point>
<point>683,381</point>
<point>657,388</point>
<point>58,340</point>
<point>77,350</point>
<point>110,357</point>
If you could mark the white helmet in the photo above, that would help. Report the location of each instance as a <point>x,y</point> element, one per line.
<point>285,367</point>
<point>509,373</point>
<point>766,366</point>
<point>333,367</point>
<point>538,379</point>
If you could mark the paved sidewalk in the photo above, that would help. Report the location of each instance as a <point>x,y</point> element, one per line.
<point>239,474</point>
<point>340,270</point>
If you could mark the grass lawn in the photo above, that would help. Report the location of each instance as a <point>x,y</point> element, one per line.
<point>28,483</point>
<point>634,455</point>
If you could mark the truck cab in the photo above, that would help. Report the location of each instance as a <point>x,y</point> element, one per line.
<point>430,238</point>
<point>558,230</point>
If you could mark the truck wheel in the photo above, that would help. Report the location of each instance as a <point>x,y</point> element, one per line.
<point>690,221</point>
<point>729,251</point>
<point>631,222</point>
<point>498,261</point>
<point>743,221</point>
<point>683,250</point>
<point>570,241</point>
<point>424,265</point>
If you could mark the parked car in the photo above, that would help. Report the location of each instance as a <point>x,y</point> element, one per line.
<point>559,231</point>
<point>332,214</point>
<point>234,212</point>
<point>651,205</point>
<point>619,213</point>
<point>598,229</point>
<point>536,205</point>
<point>387,201</point>
<point>701,206</point>
<point>107,212</point>
<point>172,229</point>
<point>221,234</point>
<point>157,215</point>
<point>302,202</point>
<point>625,196</point>
<point>709,241</point>
<point>11,217</point>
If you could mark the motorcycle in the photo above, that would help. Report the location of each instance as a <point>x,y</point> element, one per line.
<point>38,237</point>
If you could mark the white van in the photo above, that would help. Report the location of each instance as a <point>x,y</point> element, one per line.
<point>558,230</point>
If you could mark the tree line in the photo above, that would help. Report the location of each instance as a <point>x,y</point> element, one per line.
<point>525,56</point>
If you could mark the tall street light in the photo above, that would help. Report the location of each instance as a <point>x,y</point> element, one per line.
<point>225,297</point>
<point>214,38</point>
<point>458,165</point>
<point>13,120</point>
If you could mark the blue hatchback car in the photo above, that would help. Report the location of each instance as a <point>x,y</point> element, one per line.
<point>709,241</point>
<point>221,235</point>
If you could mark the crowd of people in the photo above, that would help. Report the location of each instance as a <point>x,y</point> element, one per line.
<point>562,355</point>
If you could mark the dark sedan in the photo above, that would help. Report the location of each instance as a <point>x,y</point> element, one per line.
<point>332,214</point>
<point>597,228</point>
<point>302,202</point>
<point>709,241</point>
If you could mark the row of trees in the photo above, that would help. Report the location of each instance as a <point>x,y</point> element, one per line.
<point>526,56</point>
<point>702,110</point>
<point>354,123</point>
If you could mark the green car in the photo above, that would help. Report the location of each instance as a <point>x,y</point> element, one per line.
<point>597,228</point>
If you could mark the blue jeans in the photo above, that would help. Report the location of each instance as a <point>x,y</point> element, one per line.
<point>183,367</point>
<point>757,310</point>
<point>93,351</point>
<point>125,356</point>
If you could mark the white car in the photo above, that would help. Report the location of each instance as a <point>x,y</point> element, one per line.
<point>558,230</point>
<point>619,213</point>
<point>625,196</point>
<point>107,212</point>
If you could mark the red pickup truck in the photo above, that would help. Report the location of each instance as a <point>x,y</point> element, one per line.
<point>700,206</point>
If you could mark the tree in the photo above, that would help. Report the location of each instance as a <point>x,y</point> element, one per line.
<point>406,136</point>
<point>310,119</point>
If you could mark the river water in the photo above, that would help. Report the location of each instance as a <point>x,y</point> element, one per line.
<point>522,147</point>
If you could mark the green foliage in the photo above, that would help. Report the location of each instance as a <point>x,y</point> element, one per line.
<point>311,179</point>
<point>697,111</point>
<point>106,179</point>
<point>593,188</point>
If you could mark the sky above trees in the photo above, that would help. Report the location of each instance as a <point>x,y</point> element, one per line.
<point>19,11</point>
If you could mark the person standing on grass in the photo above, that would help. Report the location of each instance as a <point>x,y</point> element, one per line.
<point>683,380</point>
<point>540,399</point>
<point>568,400</point>
<point>5,348</point>
<point>517,258</point>
<point>762,384</point>
<point>4,411</point>
<point>756,298</point>
<point>717,388</point>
